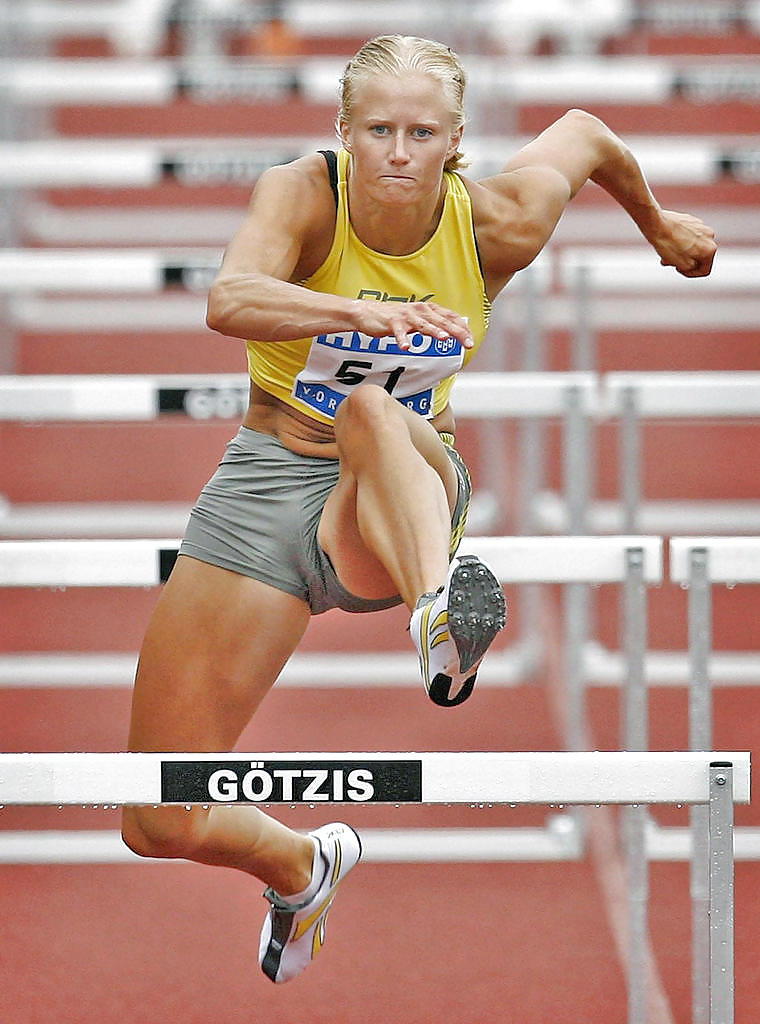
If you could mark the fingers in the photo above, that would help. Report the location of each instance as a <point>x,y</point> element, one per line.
<point>402,320</point>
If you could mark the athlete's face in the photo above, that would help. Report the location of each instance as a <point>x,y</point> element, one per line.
<point>400,135</point>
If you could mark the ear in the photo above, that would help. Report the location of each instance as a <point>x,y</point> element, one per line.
<point>344,130</point>
<point>455,142</point>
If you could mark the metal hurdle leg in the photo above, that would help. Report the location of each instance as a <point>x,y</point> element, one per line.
<point>721,837</point>
<point>700,738</point>
<point>635,735</point>
<point>531,472</point>
<point>584,342</point>
<point>576,604</point>
<point>629,470</point>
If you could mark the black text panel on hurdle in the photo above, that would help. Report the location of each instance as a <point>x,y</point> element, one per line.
<point>596,777</point>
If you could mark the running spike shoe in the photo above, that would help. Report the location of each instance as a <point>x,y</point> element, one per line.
<point>453,628</point>
<point>293,934</point>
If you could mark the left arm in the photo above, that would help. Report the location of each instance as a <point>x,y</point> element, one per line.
<point>531,193</point>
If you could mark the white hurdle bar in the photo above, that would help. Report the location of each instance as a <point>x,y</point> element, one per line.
<point>140,163</point>
<point>146,270</point>
<point>157,82</point>
<point>714,781</point>
<point>146,563</point>
<point>448,777</point>
<point>108,397</point>
<point>50,20</point>
<point>107,270</point>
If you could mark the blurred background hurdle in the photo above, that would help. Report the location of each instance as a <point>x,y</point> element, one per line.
<point>632,562</point>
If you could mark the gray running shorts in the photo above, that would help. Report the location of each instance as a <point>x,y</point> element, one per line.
<point>258,515</point>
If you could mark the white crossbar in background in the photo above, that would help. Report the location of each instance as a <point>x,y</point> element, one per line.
<point>479,395</point>
<point>556,842</point>
<point>204,396</point>
<point>181,310</point>
<point>48,19</point>
<point>730,560</point>
<point>567,80</point>
<point>135,224</point>
<point>104,270</point>
<point>136,163</point>
<point>673,395</point>
<point>441,777</point>
<point>137,563</point>
<point>633,269</point>
<point>313,670</point>
<point>609,269</point>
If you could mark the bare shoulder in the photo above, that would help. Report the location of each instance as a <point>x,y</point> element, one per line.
<point>289,225</point>
<point>298,190</point>
<point>512,220</point>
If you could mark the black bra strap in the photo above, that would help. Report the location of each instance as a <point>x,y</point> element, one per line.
<point>331,158</point>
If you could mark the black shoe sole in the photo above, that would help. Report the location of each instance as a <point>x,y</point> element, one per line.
<point>476,610</point>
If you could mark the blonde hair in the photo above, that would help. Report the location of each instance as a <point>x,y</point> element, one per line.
<point>396,55</point>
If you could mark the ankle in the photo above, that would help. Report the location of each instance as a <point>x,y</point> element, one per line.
<point>305,871</point>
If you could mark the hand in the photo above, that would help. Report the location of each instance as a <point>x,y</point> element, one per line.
<point>402,319</point>
<point>686,244</point>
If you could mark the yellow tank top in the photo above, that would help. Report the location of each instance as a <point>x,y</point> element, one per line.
<point>315,374</point>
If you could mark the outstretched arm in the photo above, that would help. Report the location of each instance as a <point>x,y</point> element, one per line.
<point>542,178</point>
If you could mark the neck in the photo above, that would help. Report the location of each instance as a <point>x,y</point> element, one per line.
<point>393,228</point>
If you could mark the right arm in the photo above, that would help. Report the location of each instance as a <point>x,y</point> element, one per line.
<point>284,238</point>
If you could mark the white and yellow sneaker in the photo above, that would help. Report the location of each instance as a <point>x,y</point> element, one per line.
<point>293,933</point>
<point>453,628</point>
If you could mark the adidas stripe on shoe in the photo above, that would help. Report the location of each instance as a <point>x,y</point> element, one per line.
<point>293,934</point>
<point>454,628</point>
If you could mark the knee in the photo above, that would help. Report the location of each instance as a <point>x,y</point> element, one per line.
<point>363,412</point>
<point>166,832</point>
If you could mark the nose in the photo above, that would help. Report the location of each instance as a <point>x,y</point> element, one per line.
<point>400,152</point>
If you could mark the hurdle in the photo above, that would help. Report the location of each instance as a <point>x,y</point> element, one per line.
<point>711,780</point>
<point>703,396</point>
<point>568,397</point>
<point>590,270</point>
<point>632,398</point>
<point>728,397</point>
<point>635,562</point>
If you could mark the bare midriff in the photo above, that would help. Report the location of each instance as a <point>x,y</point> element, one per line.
<point>299,432</point>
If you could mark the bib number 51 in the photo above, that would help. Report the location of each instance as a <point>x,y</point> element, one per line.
<point>348,373</point>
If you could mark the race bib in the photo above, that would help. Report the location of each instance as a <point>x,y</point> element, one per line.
<point>338,363</point>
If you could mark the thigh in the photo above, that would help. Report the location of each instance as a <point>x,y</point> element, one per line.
<point>339,532</point>
<point>215,644</point>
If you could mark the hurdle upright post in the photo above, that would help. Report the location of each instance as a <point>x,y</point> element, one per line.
<point>700,738</point>
<point>635,735</point>
<point>629,470</point>
<point>721,945</point>
<point>576,603</point>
